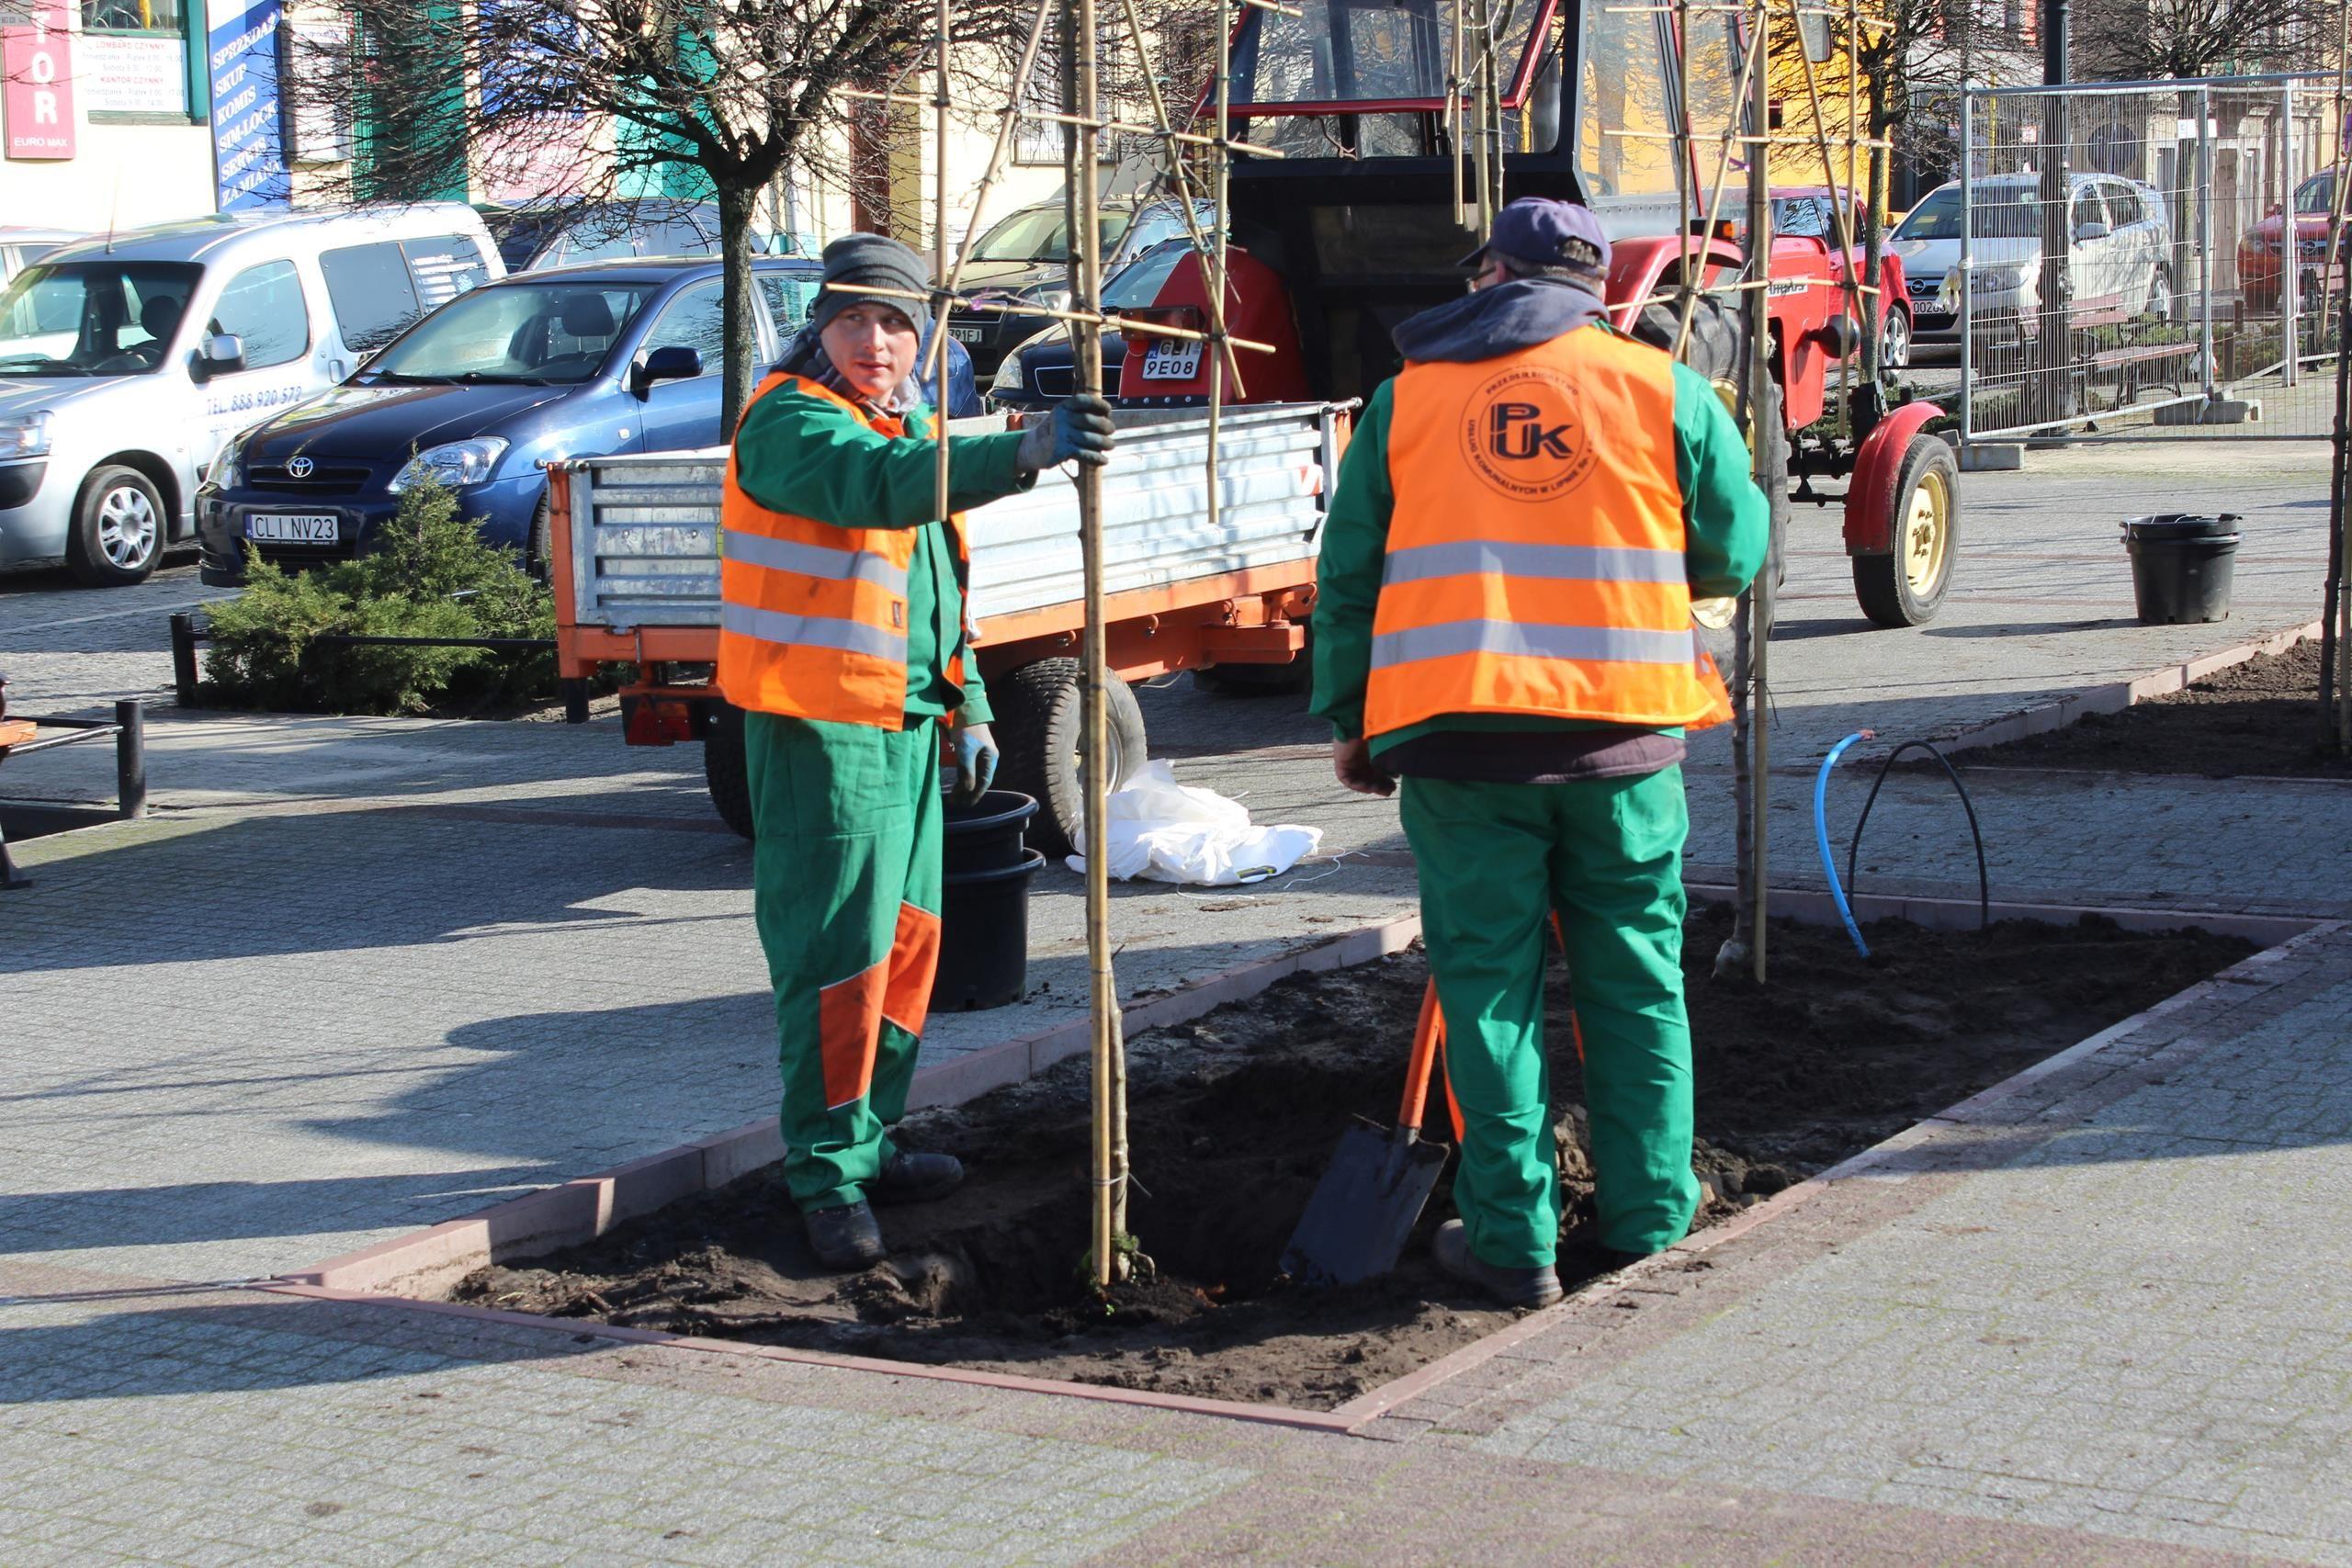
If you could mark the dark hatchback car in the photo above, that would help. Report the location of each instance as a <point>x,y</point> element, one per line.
<point>1025,259</point>
<point>534,236</point>
<point>1043,370</point>
<point>570,362</point>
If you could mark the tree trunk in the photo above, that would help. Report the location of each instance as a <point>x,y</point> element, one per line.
<point>1874,171</point>
<point>736,203</point>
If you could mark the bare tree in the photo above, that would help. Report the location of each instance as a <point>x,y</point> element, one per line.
<point>2147,39</point>
<point>604,98</point>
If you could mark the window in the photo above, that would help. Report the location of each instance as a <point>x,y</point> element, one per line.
<point>370,289</point>
<point>2087,208</point>
<point>1800,218</point>
<point>2124,207</point>
<point>263,306</point>
<point>444,267</point>
<point>134,17</point>
<point>1621,146</point>
<point>788,295</point>
<point>695,320</point>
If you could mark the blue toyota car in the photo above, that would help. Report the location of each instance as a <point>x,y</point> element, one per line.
<point>573,362</point>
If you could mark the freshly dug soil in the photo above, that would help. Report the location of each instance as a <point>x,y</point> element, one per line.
<point>2257,718</point>
<point>1233,1118</point>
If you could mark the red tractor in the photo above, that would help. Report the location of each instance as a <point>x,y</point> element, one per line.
<point>1355,228</point>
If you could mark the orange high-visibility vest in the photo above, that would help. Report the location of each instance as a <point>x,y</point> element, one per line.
<point>812,618</point>
<point>1535,550</point>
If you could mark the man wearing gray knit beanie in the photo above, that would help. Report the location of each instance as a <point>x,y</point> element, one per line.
<point>842,639</point>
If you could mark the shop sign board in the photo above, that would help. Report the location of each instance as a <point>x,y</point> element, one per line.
<point>123,74</point>
<point>37,66</point>
<point>248,142</point>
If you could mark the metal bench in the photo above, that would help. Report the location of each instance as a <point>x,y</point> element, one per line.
<point>21,737</point>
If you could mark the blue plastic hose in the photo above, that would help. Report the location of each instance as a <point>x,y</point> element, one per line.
<point>1821,836</point>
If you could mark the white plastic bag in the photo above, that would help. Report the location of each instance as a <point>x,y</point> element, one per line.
<point>1164,831</point>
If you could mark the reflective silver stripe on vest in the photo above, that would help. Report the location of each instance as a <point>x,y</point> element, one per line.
<point>814,561</point>
<point>1592,563</point>
<point>1518,639</point>
<point>813,631</point>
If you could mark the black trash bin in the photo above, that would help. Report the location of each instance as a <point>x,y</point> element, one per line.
<point>984,910</point>
<point>2182,564</point>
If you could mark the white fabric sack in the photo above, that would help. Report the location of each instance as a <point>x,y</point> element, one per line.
<point>1164,831</point>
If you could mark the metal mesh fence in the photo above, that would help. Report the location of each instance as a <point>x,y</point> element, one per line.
<point>2147,260</point>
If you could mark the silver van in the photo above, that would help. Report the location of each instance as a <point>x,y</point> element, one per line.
<point>127,361</point>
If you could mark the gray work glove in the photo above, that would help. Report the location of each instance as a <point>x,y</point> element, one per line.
<point>1080,428</point>
<point>976,760</point>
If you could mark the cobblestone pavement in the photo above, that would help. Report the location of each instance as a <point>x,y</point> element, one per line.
<point>357,976</point>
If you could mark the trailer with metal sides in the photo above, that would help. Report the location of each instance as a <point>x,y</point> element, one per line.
<point>1193,583</point>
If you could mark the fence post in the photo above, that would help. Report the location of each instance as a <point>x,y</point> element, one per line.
<point>1967,281</point>
<point>2205,238</point>
<point>183,658</point>
<point>130,758</point>
<point>2290,246</point>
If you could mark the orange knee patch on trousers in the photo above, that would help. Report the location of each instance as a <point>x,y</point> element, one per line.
<point>849,1013</point>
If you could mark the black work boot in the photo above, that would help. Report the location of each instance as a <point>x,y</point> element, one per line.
<point>911,1178</point>
<point>1537,1287</point>
<point>845,1237</point>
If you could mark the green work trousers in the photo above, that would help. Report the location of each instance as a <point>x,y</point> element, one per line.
<point>1496,862</point>
<point>845,883</point>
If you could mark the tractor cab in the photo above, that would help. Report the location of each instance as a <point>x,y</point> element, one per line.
<point>1360,214</point>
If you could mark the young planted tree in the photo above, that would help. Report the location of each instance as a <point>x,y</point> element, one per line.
<point>610,100</point>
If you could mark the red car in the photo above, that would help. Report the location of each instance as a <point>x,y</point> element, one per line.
<point>1805,239</point>
<point>2258,269</point>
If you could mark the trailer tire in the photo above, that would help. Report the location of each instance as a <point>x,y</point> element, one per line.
<point>725,769</point>
<point>1039,714</point>
<point>1904,587</point>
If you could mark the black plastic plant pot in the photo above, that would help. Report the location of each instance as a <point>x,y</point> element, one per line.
<point>2182,564</point>
<point>984,909</point>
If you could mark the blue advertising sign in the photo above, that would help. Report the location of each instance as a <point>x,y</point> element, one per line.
<point>248,145</point>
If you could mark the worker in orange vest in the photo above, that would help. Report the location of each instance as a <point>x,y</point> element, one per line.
<point>1503,621</point>
<point>843,637</point>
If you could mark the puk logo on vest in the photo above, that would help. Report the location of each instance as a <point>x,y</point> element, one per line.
<point>1524,434</point>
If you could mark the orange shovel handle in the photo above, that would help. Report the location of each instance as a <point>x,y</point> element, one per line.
<point>1427,1035</point>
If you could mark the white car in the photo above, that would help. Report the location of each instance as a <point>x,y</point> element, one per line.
<point>2118,261</point>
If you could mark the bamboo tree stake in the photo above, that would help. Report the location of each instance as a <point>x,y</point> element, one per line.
<point>1080,146</point>
<point>945,302</point>
<point>1759,612</point>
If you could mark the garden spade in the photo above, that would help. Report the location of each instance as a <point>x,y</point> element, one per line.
<point>1356,1223</point>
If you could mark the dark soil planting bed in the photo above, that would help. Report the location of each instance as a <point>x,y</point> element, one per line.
<point>2252,719</point>
<point>1233,1118</point>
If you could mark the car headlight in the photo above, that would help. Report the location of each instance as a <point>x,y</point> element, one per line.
<point>1052,296</point>
<point>24,434</point>
<point>1008,375</point>
<point>2002,279</point>
<point>454,463</point>
<point>2262,241</point>
<point>227,470</point>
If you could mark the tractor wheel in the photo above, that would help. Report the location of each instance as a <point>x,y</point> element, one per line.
<point>1040,710</point>
<point>725,769</point>
<point>1905,587</point>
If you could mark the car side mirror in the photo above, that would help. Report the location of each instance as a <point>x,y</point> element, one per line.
<point>673,363</point>
<point>2085,232</point>
<point>222,355</point>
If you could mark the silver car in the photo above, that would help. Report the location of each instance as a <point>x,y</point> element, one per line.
<point>126,362</point>
<point>2118,258</point>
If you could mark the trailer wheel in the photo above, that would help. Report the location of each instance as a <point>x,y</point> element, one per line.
<point>725,770</point>
<point>1905,587</point>
<point>1039,713</point>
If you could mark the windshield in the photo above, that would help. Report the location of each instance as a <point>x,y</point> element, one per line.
<point>92,317</point>
<point>1040,234</point>
<point>2001,212</point>
<point>548,333</point>
<point>1365,51</point>
<point>2317,195</point>
<point>1139,283</point>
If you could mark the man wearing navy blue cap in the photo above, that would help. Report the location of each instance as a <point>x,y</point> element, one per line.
<point>1503,623</point>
